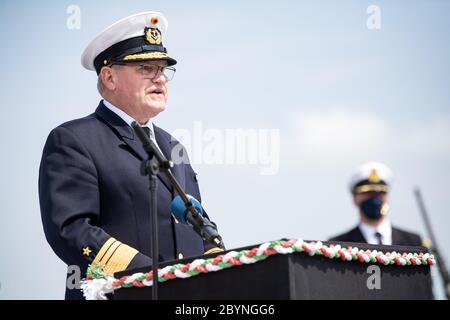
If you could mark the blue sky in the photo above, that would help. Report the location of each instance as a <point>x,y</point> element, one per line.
<point>339,94</point>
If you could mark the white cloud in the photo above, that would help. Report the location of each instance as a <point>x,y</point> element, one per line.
<point>337,134</point>
<point>344,134</point>
<point>425,139</point>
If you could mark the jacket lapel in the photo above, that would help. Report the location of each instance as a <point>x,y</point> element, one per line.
<point>357,235</point>
<point>396,237</point>
<point>128,136</point>
<point>122,129</point>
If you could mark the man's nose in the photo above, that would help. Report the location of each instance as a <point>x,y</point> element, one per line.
<point>159,77</point>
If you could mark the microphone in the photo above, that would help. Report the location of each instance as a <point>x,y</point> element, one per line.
<point>150,147</point>
<point>183,213</point>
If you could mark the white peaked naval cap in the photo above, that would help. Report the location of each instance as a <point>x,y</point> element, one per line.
<point>371,176</point>
<point>135,38</point>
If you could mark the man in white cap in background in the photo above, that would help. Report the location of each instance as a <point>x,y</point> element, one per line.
<point>370,187</point>
<point>94,200</point>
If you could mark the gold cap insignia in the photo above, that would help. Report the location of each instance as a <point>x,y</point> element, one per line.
<point>153,36</point>
<point>374,177</point>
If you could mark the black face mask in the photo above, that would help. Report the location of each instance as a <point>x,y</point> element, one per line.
<point>372,208</point>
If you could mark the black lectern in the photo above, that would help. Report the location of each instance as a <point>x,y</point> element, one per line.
<point>296,276</point>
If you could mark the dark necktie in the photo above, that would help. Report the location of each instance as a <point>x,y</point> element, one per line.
<point>379,237</point>
<point>148,132</point>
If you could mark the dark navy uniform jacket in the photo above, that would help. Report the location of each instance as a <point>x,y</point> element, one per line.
<point>95,203</point>
<point>399,237</point>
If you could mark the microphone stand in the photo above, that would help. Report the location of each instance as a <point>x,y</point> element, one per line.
<point>157,161</point>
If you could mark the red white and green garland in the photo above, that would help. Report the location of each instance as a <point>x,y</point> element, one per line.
<point>97,283</point>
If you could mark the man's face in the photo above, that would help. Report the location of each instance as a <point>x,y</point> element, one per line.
<point>361,197</point>
<point>139,94</point>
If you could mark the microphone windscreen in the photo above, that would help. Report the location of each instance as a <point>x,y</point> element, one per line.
<point>179,210</point>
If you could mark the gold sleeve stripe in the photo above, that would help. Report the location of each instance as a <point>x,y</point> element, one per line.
<point>114,256</point>
<point>103,250</point>
<point>103,261</point>
<point>213,250</point>
<point>120,259</point>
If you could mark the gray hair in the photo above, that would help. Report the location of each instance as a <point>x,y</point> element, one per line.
<point>100,85</point>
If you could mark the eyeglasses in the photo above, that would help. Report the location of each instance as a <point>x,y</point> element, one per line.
<point>151,71</point>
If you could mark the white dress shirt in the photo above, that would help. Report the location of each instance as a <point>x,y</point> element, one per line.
<point>385,229</point>
<point>129,120</point>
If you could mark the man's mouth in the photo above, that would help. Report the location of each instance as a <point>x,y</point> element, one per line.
<point>156,91</point>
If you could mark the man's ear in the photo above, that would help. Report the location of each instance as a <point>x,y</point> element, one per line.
<point>108,78</point>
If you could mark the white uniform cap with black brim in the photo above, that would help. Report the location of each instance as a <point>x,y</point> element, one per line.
<point>371,177</point>
<point>135,38</point>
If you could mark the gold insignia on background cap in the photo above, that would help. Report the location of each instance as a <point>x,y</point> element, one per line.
<point>153,36</point>
<point>374,177</point>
